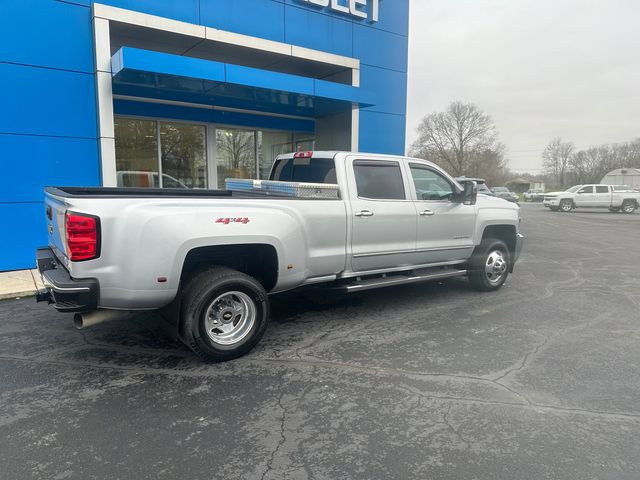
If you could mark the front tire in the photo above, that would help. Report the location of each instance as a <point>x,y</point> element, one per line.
<point>224,314</point>
<point>490,265</point>
<point>566,206</point>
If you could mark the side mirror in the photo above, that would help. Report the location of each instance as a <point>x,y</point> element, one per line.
<point>470,193</point>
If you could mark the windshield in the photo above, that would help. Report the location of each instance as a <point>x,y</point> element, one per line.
<point>574,189</point>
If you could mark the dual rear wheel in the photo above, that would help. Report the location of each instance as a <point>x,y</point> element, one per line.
<point>224,313</point>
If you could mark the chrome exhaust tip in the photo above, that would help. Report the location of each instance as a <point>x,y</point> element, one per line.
<point>89,319</point>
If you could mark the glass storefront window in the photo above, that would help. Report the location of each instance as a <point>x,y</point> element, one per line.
<point>183,153</point>
<point>236,154</point>
<point>136,153</point>
<point>169,154</point>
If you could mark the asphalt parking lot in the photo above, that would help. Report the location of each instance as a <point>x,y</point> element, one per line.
<point>538,381</point>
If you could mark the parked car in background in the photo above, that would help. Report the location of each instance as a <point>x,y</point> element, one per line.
<point>139,179</point>
<point>593,196</point>
<point>481,182</point>
<point>505,193</point>
<point>533,195</point>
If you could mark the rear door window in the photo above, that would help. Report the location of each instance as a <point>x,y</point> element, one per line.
<point>379,180</point>
<point>602,189</point>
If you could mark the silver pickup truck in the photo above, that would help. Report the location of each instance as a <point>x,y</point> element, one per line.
<point>616,198</point>
<point>208,259</point>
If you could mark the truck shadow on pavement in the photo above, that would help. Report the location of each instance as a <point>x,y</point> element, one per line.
<point>297,320</point>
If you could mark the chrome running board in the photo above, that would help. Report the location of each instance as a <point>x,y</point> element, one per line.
<point>410,277</point>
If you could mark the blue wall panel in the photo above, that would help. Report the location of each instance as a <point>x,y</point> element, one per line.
<point>394,17</point>
<point>29,231</point>
<point>258,18</point>
<point>380,49</point>
<point>183,10</point>
<point>382,133</point>
<point>35,162</point>
<point>43,101</point>
<point>391,87</point>
<point>46,33</point>
<point>310,29</point>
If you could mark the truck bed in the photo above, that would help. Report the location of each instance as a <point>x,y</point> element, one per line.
<point>114,192</point>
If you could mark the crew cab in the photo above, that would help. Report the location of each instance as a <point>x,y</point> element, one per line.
<point>209,259</point>
<point>611,197</point>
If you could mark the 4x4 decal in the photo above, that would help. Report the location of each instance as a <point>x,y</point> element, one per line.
<point>227,221</point>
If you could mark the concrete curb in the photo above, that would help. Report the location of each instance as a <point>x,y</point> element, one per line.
<point>19,283</point>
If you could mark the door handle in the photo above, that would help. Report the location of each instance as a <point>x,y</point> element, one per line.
<point>364,213</point>
<point>427,213</point>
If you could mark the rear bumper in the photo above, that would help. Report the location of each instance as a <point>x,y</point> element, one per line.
<point>65,293</point>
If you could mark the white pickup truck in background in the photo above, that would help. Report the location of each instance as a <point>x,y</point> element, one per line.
<point>616,198</point>
<point>208,259</point>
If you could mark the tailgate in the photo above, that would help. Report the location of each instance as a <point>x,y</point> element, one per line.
<point>55,209</point>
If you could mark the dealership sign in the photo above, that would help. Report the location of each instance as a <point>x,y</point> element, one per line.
<point>366,9</point>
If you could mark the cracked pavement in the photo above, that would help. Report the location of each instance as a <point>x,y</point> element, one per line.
<point>537,381</point>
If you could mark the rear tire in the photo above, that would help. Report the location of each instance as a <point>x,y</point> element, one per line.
<point>224,314</point>
<point>490,265</point>
<point>629,206</point>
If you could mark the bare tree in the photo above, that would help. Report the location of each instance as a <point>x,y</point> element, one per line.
<point>592,164</point>
<point>555,158</point>
<point>457,137</point>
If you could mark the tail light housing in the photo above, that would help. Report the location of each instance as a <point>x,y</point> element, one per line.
<point>303,155</point>
<point>83,236</point>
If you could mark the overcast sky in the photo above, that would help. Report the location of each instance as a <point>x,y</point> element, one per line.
<point>540,68</point>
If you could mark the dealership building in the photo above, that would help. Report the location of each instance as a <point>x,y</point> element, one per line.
<point>183,94</point>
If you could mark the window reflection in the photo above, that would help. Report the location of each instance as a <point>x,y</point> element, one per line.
<point>136,153</point>
<point>184,159</point>
<point>236,154</point>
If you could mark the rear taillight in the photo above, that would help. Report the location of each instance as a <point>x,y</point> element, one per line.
<point>83,236</point>
<point>303,155</point>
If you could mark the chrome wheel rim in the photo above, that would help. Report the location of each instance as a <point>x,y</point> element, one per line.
<point>565,207</point>
<point>230,318</point>
<point>627,207</point>
<point>495,268</point>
